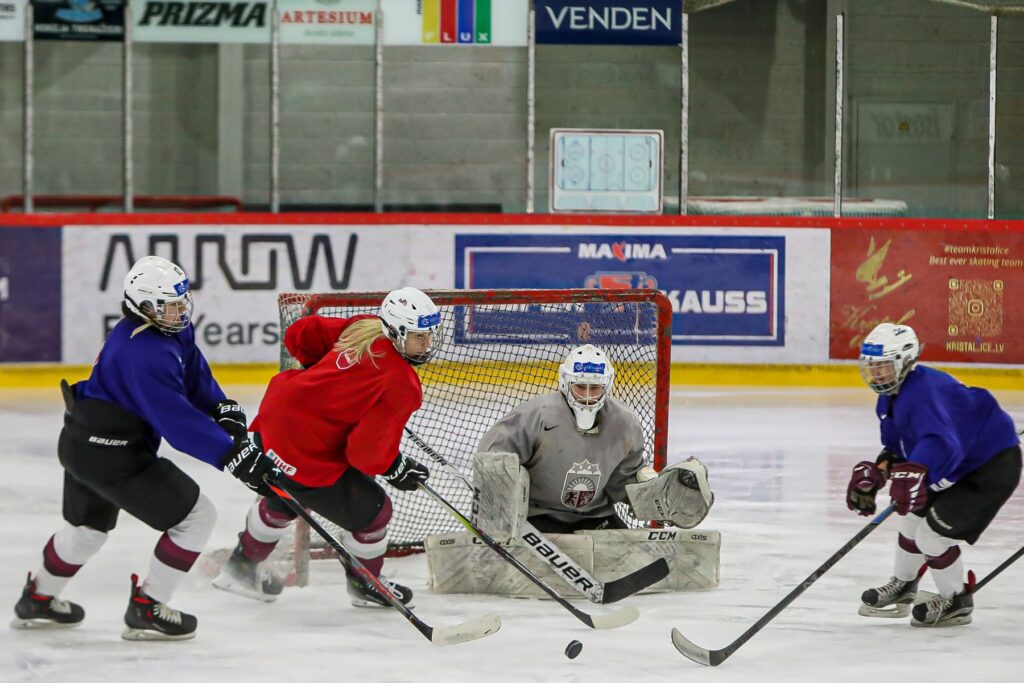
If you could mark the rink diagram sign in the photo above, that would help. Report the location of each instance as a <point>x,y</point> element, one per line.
<point>724,290</point>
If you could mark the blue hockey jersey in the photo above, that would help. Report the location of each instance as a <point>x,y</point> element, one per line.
<point>165,381</point>
<point>951,428</point>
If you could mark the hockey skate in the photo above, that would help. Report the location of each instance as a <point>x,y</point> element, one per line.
<point>243,576</point>
<point>37,611</point>
<point>891,601</point>
<point>148,619</point>
<point>940,611</point>
<point>365,595</point>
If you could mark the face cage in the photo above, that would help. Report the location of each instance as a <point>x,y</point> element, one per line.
<point>436,344</point>
<point>589,402</point>
<point>156,316</point>
<point>885,385</point>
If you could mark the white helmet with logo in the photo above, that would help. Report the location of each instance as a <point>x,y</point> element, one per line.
<point>585,368</point>
<point>158,291</point>
<point>408,310</point>
<point>887,355</point>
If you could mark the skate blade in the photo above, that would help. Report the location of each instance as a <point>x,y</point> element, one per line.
<point>227,583</point>
<point>890,612</point>
<point>955,621</point>
<point>370,604</point>
<point>140,634</point>
<point>40,624</point>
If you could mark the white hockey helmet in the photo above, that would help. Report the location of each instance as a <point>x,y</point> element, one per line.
<point>887,355</point>
<point>585,370</point>
<point>158,291</point>
<point>408,310</point>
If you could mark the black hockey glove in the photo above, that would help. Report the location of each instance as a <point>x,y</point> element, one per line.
<point>405,473</point>
<point>252,467</point>
<point>231,418</point>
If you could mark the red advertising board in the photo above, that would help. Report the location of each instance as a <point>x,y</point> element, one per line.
<point>962,292</point>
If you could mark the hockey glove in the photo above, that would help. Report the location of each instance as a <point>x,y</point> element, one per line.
<point>252,467</point>
<point>231,418</point>
<point>865,481</point>
<point>909,488</point>
<point>405,473</point>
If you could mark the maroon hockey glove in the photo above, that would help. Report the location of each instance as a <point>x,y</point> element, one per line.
<point>865,481</point>
<point>909,488</point>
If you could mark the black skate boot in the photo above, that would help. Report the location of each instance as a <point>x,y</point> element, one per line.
<point>366,595</point>
<point>243,576</point>
<point>35,610</point>
<point>147,619</point>
<point>891,601</point>
<point>942,611</point>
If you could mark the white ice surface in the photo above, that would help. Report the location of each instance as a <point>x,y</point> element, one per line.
<point>779,461</point>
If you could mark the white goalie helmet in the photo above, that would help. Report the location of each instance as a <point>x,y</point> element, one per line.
<point>408,311</point>
<point>585,379</point>
<point>158,290</point>
<point>887,355</point>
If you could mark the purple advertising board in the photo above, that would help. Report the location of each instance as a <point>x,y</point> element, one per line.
<point>724,290</point>
<point>30,286</point>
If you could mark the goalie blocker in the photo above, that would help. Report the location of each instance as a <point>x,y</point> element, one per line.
<point>680,495</point>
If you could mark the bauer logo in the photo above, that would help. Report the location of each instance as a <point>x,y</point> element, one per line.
<point>724,290</point>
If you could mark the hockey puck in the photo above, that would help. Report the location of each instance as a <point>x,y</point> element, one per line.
<point>573,649</point>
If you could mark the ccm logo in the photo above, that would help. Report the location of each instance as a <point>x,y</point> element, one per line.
<point>906,475</point>
<point>661,536</point>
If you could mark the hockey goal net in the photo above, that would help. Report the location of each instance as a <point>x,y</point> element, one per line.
<point>501,348</point>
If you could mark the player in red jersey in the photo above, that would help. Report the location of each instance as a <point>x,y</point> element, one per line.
<point>332,427</point>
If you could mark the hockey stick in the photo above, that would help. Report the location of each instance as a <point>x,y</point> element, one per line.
<point>442,635</point>
<point>575,576</point>
<point>995,572</point>
<point>716,657</point>
<point>621,617</point>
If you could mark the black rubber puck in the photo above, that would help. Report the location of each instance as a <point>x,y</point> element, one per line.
<point>573,649</point>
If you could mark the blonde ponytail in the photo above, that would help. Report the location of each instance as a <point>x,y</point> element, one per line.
<point>356,339</point>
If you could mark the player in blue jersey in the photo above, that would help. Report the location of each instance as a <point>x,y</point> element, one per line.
<point>952,458</point>
<point>149,382</point>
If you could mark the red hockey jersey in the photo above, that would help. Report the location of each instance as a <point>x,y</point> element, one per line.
<point>318,422</point>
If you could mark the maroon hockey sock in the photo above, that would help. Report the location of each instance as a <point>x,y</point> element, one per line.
<point>255,549</point>
<point>372,536</point>
<point>56,566</point>
<point>173,555</point>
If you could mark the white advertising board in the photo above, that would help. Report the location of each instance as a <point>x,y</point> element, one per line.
<point>237,272</point>
<point>12,19</point>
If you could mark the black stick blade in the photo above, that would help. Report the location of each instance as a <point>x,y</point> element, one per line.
<point>634,583</point>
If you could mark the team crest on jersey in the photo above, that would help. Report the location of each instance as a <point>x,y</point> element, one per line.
<point>581,484</point>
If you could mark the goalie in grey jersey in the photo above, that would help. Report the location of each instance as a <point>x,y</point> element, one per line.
<point>547,478</point>
<point>582,450</point>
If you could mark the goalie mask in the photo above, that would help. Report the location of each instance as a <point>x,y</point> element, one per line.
<point>413,323</point>
<point>585,378</point>
<point>887,356</point>
<point>158,291</point>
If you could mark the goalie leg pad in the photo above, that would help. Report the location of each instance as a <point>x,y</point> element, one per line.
<point>501,494</point>
<point>692,555</point>
<point>680,494</point>
<point>458,563</point>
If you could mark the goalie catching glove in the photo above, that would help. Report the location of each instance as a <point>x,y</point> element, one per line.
<point>680,495</point>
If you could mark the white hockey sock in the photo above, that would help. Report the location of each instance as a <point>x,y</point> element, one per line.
<point>178,549</point>
<point>909,557</point>
<point>944,563</point>
<point>64,554</point>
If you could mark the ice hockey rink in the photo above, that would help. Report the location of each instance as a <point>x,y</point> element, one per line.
<point>779,461</point>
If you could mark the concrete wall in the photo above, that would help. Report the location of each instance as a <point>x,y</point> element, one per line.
<point>760,118</point>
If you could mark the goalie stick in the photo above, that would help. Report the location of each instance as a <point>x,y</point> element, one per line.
<point>716,657</point>
<point>621,617</point>
<point>600,592</point>
<point>439,635</point>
